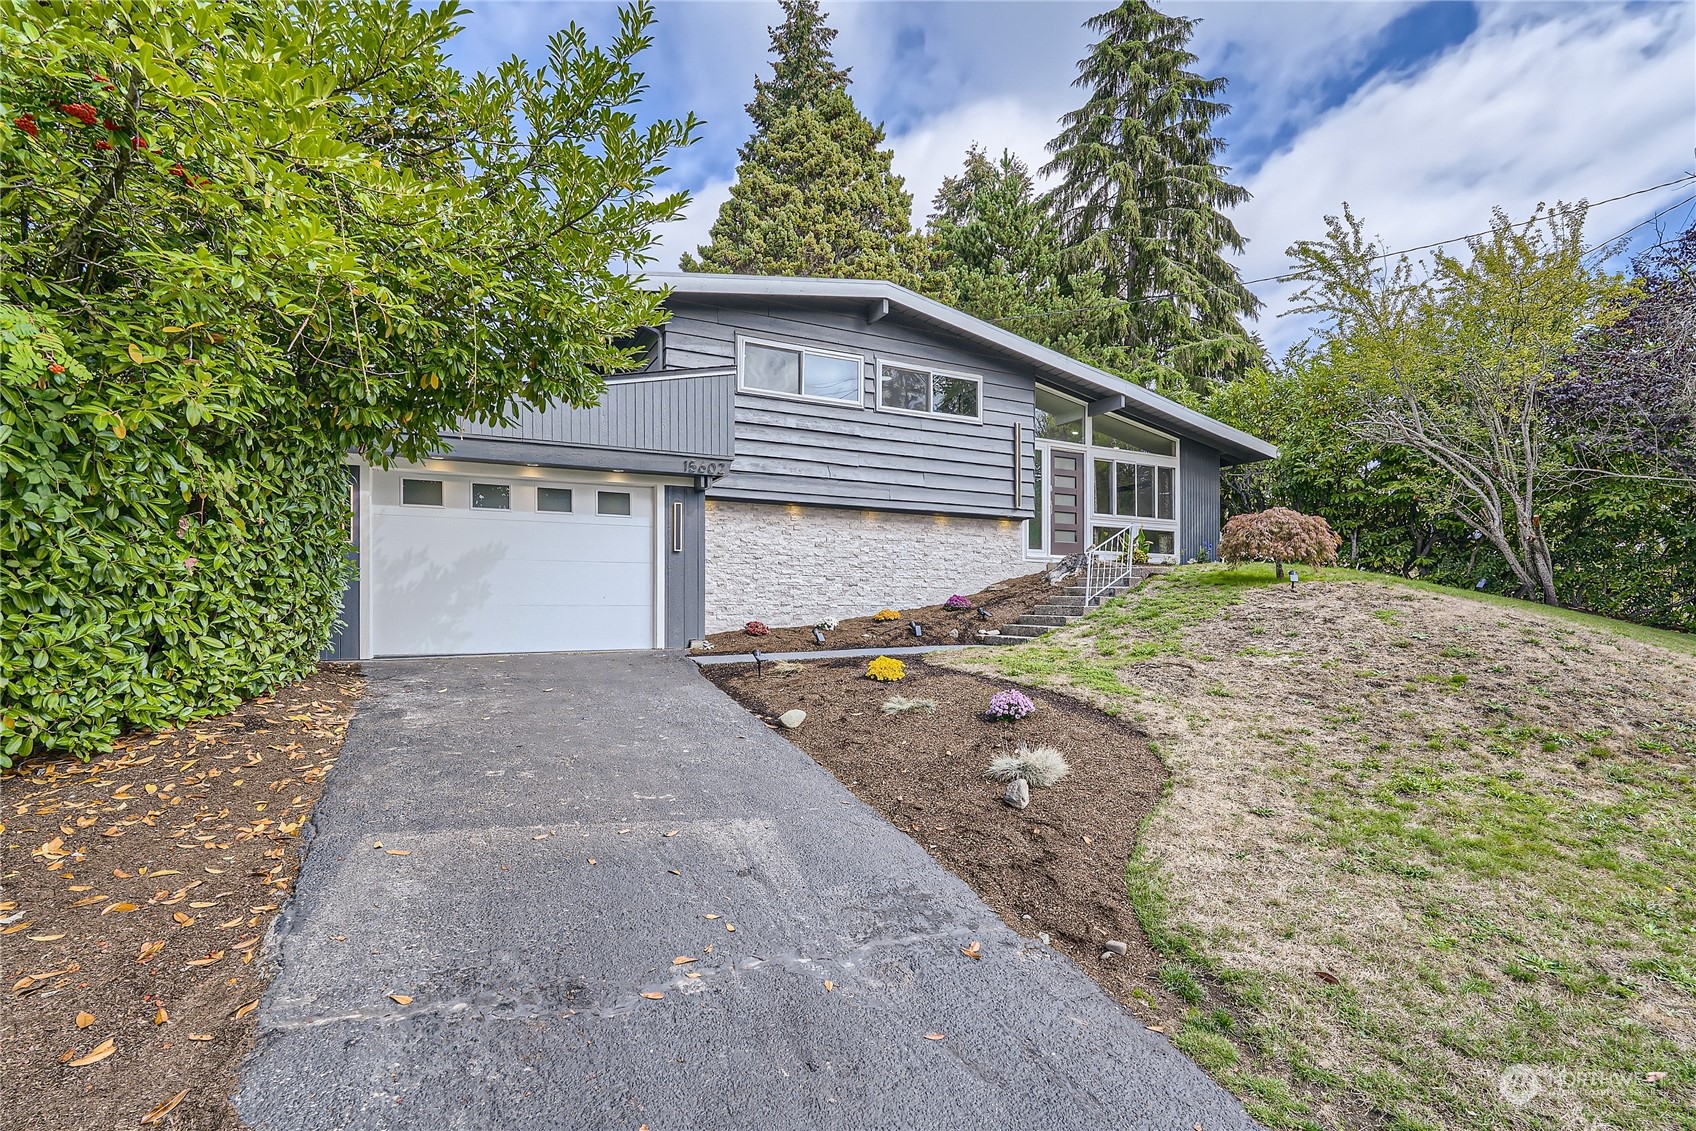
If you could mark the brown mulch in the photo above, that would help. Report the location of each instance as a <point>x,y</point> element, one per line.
<point>1057,866</point>
<point>135,891</point>
<point>1005,602</point>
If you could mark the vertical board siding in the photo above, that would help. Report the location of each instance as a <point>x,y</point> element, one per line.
<point>1198,490</point>
<point>685,570</point>
<point>816,452</point>
<point>688,415</point>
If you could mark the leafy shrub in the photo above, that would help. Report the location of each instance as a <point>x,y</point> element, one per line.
<point>1279,535</point>
<point>900,705</point>
<point>828,624</point>
<point>957,603</point>
<point>886,669</point>
<point>755,628</point>
<point>886,614</point>
<point>1040,766</point>
<point>1009,704</point>
<point>153,572</point>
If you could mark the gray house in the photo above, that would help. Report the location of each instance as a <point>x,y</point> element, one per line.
<point>793,449</point>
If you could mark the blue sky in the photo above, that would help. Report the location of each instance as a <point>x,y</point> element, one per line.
<point>1423,116</point>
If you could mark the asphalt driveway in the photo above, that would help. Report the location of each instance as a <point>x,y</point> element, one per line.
<point>570,826</point>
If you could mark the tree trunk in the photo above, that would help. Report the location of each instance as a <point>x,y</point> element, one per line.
<point>1537,556</point>
<point>1278,569</point>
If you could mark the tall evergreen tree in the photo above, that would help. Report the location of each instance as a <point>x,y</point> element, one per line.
<point>1141,200</point>
<point>815,193</point>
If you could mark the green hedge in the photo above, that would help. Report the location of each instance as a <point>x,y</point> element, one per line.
<point>156,572</point>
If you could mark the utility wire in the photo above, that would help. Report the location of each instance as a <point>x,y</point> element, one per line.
<point>1288,276</point>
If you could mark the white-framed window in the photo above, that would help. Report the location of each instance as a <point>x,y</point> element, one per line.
<point>491,496</point>
<point>612,502</point>
<point>921,391</point>
<point>553,500</point>
<point>781,369</point>
<point>421,492</point>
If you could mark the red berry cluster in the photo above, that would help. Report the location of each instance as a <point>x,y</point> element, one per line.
<point>26,123</point>
<point>82,112</point>
<point>101,79</point>
<point>138,142</point>
<point>103,144</point>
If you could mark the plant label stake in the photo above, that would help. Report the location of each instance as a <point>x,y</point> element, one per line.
<point>1294,577</point>
<point>983,613</point>
<point>818,635</point>
<point>918,629</point>
<point>759,664</point>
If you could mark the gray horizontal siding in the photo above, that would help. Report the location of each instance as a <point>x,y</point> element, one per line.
<point>1198,498</point>
<point>846,455</point>
<point>685,415</point>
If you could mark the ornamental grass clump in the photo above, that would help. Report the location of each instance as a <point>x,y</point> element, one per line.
<point>1039,766</point>
<point>1279,536</point>
<point>886,669</point>
<point>957,603</point>
<point>1009,705</point>
<point>900,705</point>
<point>887,614</point>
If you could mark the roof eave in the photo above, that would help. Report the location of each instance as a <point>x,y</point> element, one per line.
<point>1235,446</point>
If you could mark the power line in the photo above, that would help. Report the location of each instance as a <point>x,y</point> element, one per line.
<point>1288,276</point>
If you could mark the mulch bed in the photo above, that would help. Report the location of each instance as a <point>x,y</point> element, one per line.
<point>1005,602</point>
<point>1057,866</point>
<point>135,891</point>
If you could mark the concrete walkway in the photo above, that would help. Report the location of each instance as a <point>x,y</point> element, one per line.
<point>572,824</point>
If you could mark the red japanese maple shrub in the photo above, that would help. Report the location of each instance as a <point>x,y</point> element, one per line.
<point>1278,536</point>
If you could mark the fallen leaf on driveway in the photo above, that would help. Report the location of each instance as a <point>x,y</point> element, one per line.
<point>398,851</point>
<point>653,995</point>
<point>400,999</point>
<point>682,960</point>
<point>592,860</point>
<point>183,920</point>
<point>709,916</point>
<point>99,1052</point>
<point>45,938</point>
<point>207,961</point>
<point>200,1036</point>
<point>933,1036</point>
<point>828,986</point>
<point>118,908</point>
<point>674,832</point>
<point>541,836</point>
<point>148,950</point>
<point>161,1017</point>
<point>84,1020</point>
<point>730,926</point>
<point>244,1010</point>
<point>674,871</point>
<point>163,1109</point>
<point>972,950</point>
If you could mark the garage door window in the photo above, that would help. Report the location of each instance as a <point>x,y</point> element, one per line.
<point>553,500</point>
<point>421,492</point>
<point>612,502</point>
<point>491,496</point>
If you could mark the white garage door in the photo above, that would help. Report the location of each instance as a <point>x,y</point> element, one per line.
<point>477,564</point>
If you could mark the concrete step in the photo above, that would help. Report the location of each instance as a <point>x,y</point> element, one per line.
<point>1057,605</point>
<point>1025,631</point>
<point>1037,619</point>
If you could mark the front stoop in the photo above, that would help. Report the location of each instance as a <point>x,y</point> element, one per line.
<point>1065,606</point>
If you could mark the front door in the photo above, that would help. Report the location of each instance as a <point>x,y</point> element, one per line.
<point>1065,502</point>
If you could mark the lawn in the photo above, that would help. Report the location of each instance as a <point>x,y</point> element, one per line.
<point>1427,860</point>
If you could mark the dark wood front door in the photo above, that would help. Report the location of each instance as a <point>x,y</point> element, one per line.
<point>1065,502</point>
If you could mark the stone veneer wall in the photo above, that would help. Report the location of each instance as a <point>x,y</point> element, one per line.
<point>794,565</point>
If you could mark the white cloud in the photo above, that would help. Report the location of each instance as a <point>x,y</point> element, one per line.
<point>690,232</point>
<point>937,147</point>
<point>1573,103</point>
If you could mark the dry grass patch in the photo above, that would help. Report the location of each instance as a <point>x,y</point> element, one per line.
<point>1412,840</point>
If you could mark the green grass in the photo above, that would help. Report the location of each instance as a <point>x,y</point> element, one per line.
<point>1250,575</point>
<point>1496,859</point>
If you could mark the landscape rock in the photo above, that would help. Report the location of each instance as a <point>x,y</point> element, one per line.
<point>792,718</point>
<point>1118,947</point>
<point>1018,793</point>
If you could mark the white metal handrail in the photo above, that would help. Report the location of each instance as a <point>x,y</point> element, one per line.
<point>1109,563</point>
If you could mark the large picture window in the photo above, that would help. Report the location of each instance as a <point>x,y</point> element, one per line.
<point>905,388</point>
<point>1134,490</point>
<point>794,371</point>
